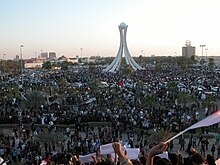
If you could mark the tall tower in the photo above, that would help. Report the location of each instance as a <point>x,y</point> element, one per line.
<point>123,48</point>
<point>188,50</point>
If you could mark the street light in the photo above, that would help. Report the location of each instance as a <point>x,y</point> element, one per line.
<point>175,58</point>
<point>3,58</point>
<point>21,46</point>
<point>206,49</point>
<point>202,46</point>
<point>143,55</point>
<point>81,49</point>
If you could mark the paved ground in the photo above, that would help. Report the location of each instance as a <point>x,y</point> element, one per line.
<point>124,139</point>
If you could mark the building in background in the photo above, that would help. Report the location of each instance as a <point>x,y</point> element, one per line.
<point>52,56</point>
<point>62,59</point>
<point>188,50</point>
<point>17,58</point>
<point>44,55</point>
<point>34,63</point>
<point>73,60</point>
<point>84,60</point>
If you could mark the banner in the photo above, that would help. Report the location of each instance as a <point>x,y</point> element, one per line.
<point>133,153</point>
<point>86,158</point>
<point>108,149</point>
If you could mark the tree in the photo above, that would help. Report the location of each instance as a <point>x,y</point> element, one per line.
<point>150,101</point>
<point>95,84</point>
<point>127,69</point>
<point>202,62</point>
<point>49,137</point>
<point>193,59</point>
<point>184,98</point>
<point>141,59</point>
<point>34,99</point>
<point>172,87</point>
<point>64,65</point>
<point>209,102</point>
<point>10,66</point>
<point>184,65</point>
<point>47,65</point>
<point>185,62</point>
<point>158,67</point>
<point>211,62</point>
<point>63,83</point>
<point>160,135</point>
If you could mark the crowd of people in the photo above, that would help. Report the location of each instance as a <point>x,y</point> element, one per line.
<point>21,146</point>
<point>147,100</point>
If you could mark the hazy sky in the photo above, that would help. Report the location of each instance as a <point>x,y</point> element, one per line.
<point>158,27</point>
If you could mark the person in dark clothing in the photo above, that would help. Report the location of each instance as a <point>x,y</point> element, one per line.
<point>200,139</point>
<point>210,160</point>
<point>197,159</point>
<point>174,158</point>
<point>182,144</point>
<point>202,150</point>
<point>213,150</point>
<point>189,147</point>
<point>206,143</point>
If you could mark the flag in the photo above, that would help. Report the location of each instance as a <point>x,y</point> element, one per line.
<point>1,160</point>
<point>210,120</point>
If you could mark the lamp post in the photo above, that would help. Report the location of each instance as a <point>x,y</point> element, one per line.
<point>21,46</point>
<point>202,46</point>
<point>81,49</point>
<point>142,54</point>
<point>206,49</point>
<point>3,58</point>
<point>175,58</point>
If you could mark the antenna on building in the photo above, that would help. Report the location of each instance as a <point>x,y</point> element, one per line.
<point>188,43</point>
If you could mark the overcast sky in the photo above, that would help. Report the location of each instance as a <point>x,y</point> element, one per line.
<point>158,27</point>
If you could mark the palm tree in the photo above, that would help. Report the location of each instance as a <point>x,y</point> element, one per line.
<point>95,84</point>
<point>65,65</point>
<point>127,69</point>
<point>211,63</point>
<point>160,135</point>
<point>47,65</point>
<point>34,99</point>
<point>150,101</point>
<point>48,137</point>
<point>184,98</point>
<point>158,67</point>
<point>209,102</point>
<point>172,87</point>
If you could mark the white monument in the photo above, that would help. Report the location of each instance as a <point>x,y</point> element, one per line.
<point>123,48</point>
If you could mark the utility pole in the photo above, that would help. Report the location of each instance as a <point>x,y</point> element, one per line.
<point>81,49</point>
<point>22,81</point>
<point>3,58</point>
